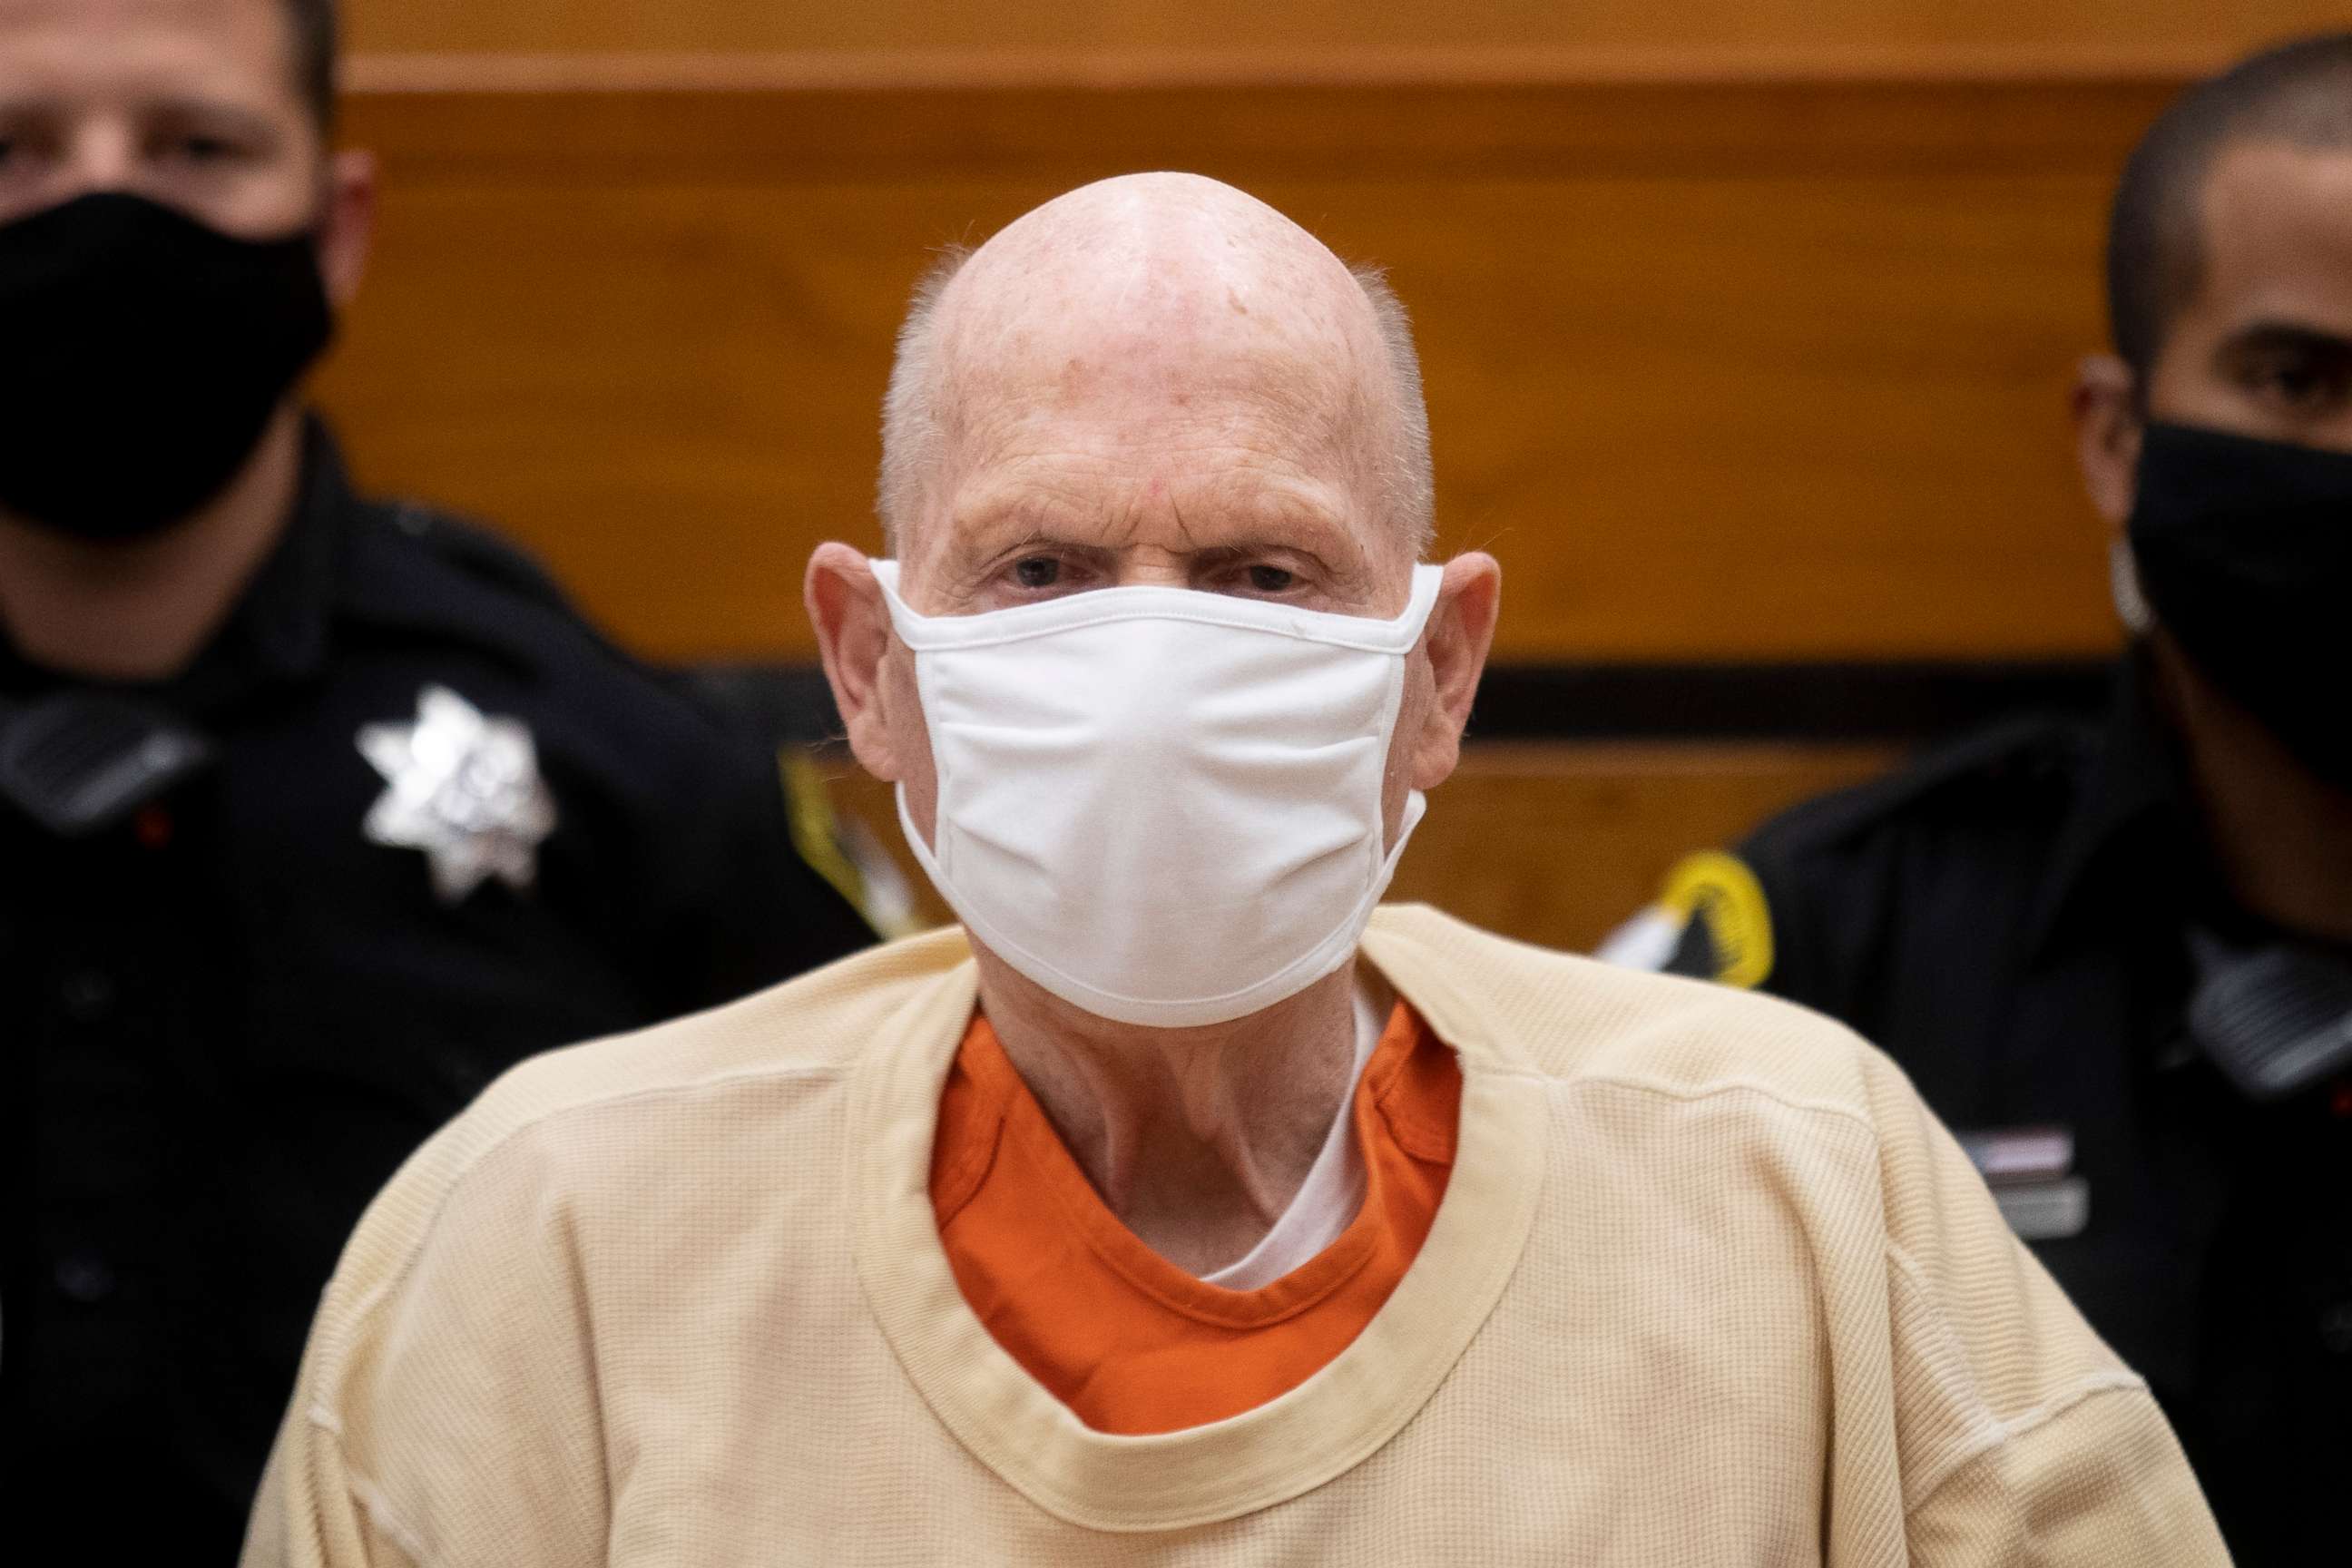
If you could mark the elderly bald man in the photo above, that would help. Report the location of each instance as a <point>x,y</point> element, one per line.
<point>1178,1207</point>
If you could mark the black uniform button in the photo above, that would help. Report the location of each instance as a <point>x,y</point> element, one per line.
<point>87,995</point>
<point>85,1277</point>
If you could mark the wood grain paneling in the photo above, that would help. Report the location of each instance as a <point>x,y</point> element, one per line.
<point>1748,322</point>
<point>1679,35</point>
<point>1550,843</point>
<point>1746,370</point>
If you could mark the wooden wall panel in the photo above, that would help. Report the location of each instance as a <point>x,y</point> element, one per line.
<point>1746,322</point>
<point>1733,371</point>
<point>1558,844</point>
<point>1669,37</point>
<point>1551,844</point>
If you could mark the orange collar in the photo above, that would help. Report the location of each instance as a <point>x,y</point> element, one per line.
<point>1126,1340</point>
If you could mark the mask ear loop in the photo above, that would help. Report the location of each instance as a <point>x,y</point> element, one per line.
<point>2131,603</point>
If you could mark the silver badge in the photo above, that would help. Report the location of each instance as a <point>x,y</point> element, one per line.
<point>464,789</point>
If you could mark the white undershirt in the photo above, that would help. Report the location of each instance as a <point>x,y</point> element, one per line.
<point>1333,1191</point>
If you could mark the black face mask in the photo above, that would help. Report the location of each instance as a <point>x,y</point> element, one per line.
<point>140,356</point>
<point>2244,550</point>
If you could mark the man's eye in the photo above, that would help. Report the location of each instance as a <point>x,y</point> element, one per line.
<point>200,150</point>
<point>1037,571</point>
<point>2301,379</point>
<point>2305,387</point>
<point>1271,579</point>
<point>25,148</point>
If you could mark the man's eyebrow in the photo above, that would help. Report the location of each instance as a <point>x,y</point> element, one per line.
<point>1009,542</point>
<point>242,118</point>
<point>1315,552</point>
<point>2271,337</point>
<point>1010,517</point>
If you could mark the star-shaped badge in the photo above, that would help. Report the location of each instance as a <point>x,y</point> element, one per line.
<point>463,788</point>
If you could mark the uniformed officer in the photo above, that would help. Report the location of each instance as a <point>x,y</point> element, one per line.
<point>2118,954</point>
<point>315,812</point>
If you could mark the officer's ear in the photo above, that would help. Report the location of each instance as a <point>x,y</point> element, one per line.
<point>2107,412</point>
<point>852,637</point>
<point>346,230</point>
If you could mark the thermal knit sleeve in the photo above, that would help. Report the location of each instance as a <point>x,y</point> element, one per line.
<point>2021,1438</point>
<point>447,1411</point>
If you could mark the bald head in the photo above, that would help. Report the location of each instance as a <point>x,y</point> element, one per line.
<point>1152,332</point>
<point>1152,383</point>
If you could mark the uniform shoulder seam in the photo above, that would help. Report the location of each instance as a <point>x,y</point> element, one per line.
<point>1712,1088</point>
<point>2000,1433</point>
<point>1861,807</point>
<point>494,580</point>
<point>476,548</point>
<point>1988,1431</point>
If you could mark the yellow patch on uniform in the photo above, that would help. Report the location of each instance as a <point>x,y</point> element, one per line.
<point>1723,895</point>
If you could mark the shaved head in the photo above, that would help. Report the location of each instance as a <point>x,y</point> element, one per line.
<point>2297,95</point>
<point>1158,303</point>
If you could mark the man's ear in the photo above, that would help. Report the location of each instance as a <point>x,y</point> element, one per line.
<point>1460,631</point>
<point>2105,407</point>
<point>852,637</point>
<point>347,225</point>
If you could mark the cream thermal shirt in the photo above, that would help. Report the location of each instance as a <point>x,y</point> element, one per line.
<point>1709,1286</point>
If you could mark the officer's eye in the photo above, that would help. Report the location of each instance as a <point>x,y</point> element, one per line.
<point>1272,579</point>
<point>2304,375</point>
<point>20,148</point>
<point>1037,571</point>
<point>2306,385</point>
<point>29,145</point>
<point>202,138</point>
<point>201,150</point>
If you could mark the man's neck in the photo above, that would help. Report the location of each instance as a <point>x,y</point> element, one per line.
<point>141,609</point>
<point>1197,1139</point>
<point>2280,835</point>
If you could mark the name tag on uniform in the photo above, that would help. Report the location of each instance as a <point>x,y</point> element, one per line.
<point>2030,1172</point>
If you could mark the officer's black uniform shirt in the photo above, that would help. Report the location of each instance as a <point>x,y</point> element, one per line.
<point>228,1018</point>
<point>2009,921</point>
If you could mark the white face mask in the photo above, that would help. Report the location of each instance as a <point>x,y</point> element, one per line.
<point>1163,805</point>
